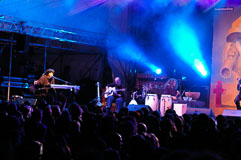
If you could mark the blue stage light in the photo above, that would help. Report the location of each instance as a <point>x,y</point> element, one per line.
<point>186,46</point>
<point>158,71</point>
<point>200,67</point>
<point>184,78</point>
<point>128,50</point>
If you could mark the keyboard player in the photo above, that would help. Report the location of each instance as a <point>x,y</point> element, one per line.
<point>46,79</point>
<point>42,86</point>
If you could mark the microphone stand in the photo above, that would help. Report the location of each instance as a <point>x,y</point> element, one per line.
<point>66,82</point>
<point>98,104</point>
<point>98,95</point>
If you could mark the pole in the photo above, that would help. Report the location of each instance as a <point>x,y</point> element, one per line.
<point>10,67</point>
<point>45,55</point>
<point>98,95</point>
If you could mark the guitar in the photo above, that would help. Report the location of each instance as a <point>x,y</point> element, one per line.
<point>110,91</point>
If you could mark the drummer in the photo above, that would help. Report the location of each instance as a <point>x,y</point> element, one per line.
<point>170,88</point>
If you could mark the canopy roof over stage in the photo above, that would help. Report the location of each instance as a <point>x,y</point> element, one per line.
<point>90,15</point>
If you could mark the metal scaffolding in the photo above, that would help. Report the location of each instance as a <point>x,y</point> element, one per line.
<point>47,36</point>
<point>68,38</point>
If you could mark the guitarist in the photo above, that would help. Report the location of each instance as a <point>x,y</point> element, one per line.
<point>115,93</point>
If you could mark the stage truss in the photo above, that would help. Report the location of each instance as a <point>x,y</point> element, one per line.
<point>52,36</point>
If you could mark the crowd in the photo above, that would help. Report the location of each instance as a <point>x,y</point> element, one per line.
<point>56,130</point>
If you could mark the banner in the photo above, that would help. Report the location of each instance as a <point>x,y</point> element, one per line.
<point>226,57</point>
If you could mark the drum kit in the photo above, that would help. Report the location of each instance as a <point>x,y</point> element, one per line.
<point>154,94</point>
<point>149,95</point>
<point>162,106</point>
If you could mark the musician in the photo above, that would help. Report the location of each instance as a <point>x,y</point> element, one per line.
<point>115,92</point>
<point>238,97</point>
<point>46,79</point>
<point>170,88</point>
<point>42,89</point>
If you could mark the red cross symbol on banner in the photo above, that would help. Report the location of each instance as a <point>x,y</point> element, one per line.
<point>219,91</point>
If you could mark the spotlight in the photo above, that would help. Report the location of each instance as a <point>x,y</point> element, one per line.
<point>200,67</point>
<point>188,46</point>
<point>158,71</point>
<point>184,78</point>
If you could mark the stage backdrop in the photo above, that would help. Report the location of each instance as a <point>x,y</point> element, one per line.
<point>226,57</point>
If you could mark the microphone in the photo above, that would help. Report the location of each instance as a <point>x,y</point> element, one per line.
<point>61,80</point>
<point>56,78</point>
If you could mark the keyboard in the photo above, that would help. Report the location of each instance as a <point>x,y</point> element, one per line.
<point>62,86</point>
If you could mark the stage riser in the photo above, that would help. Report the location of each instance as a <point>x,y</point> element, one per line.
<point>231,113</point>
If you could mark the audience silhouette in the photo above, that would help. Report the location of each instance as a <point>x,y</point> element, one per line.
<point>55,130</point>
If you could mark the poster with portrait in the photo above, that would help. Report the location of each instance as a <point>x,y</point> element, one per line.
<point>226,57</point>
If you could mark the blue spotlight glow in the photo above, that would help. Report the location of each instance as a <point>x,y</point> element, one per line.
<point>184,78</point>
<point>186,46</point>
<point>130,51</point>
<point>127,49</point>
<point>153,67</point>
<point>158,71</point>
<point>198,64</point>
